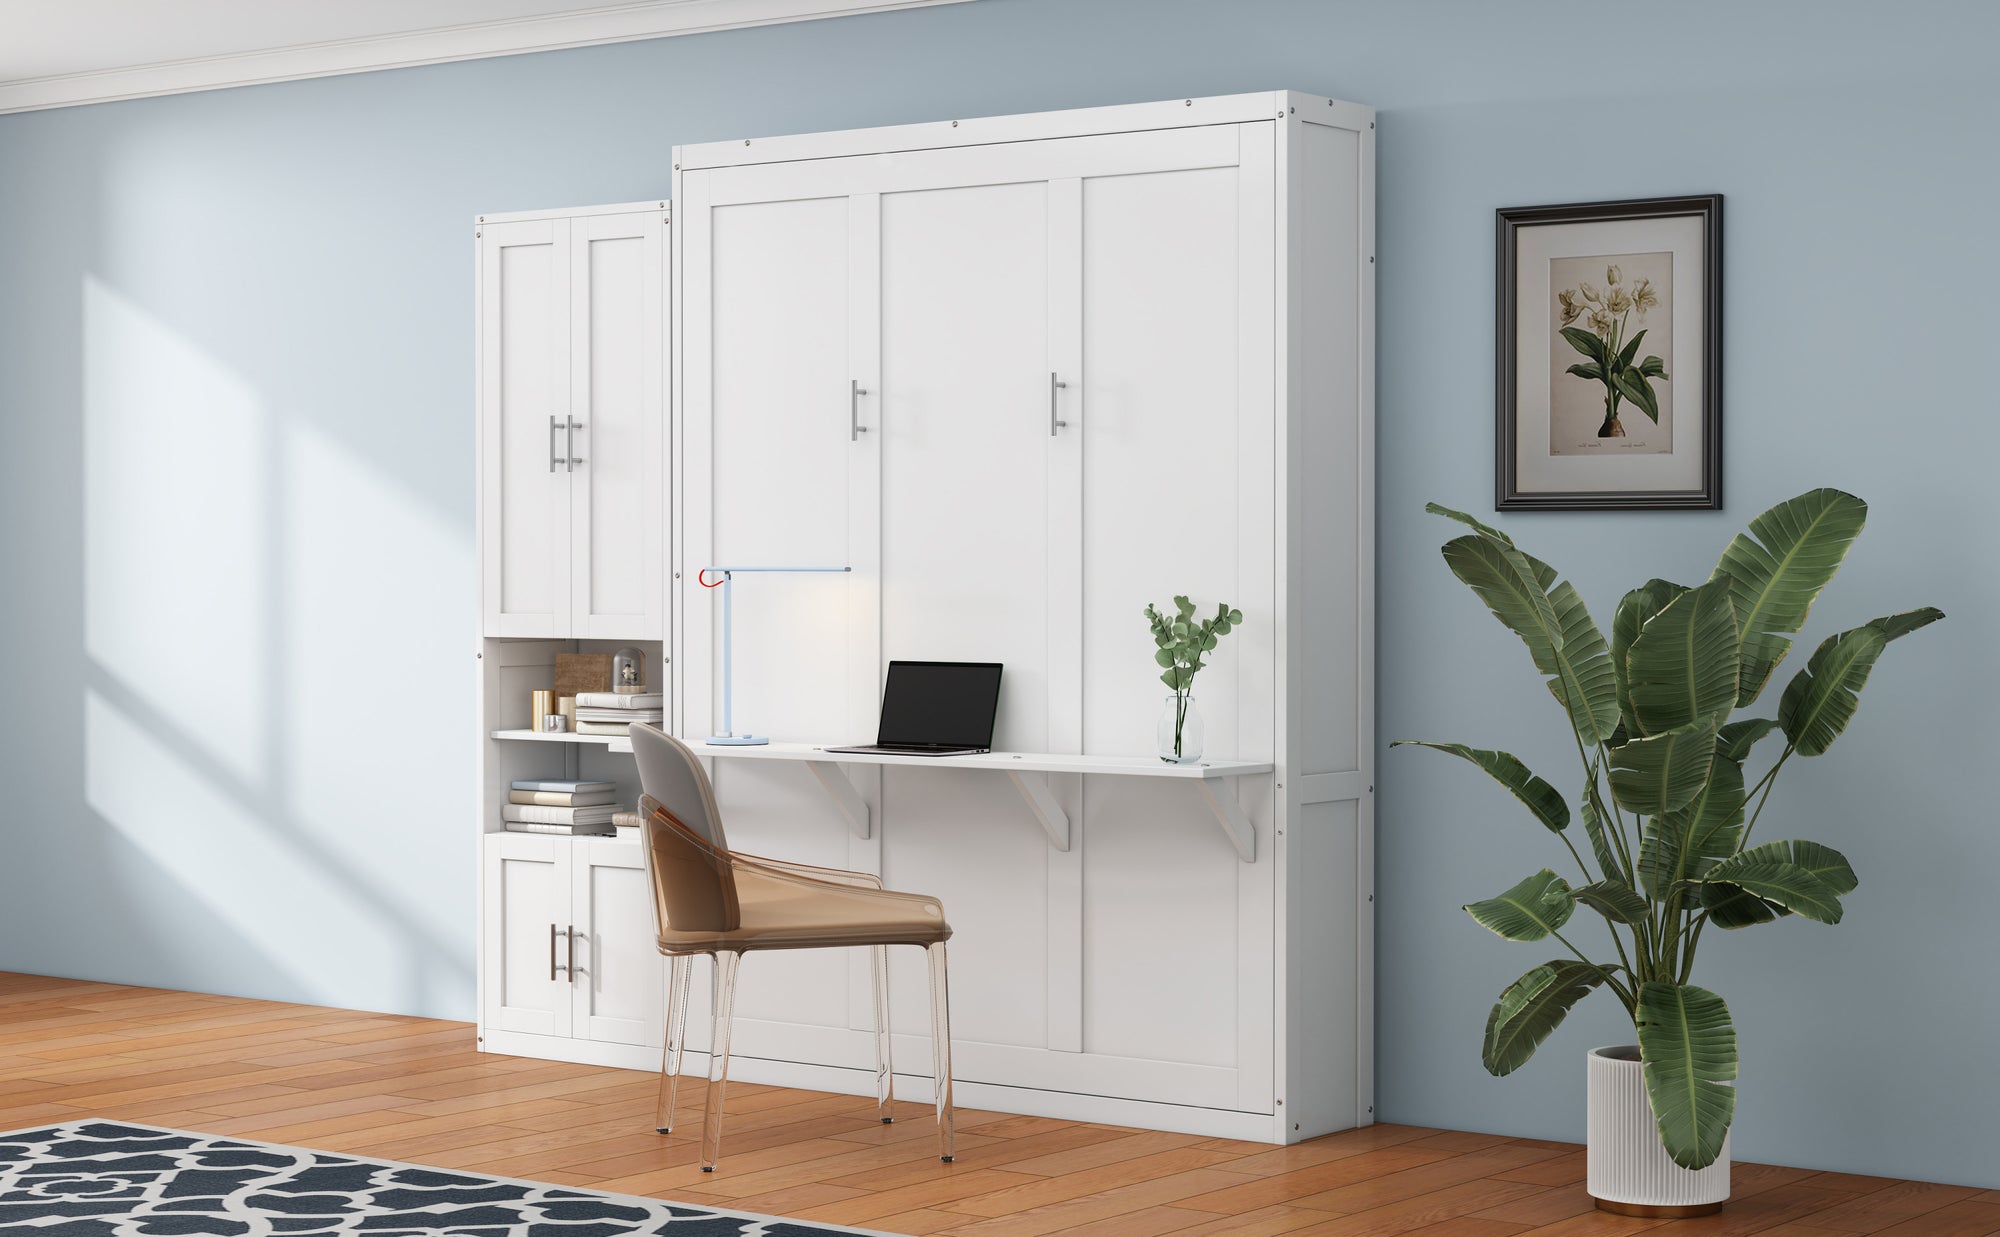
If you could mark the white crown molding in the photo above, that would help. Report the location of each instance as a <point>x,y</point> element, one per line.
<point>616,24</point>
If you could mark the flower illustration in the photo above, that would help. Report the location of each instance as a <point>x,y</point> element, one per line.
<point>1611,355</point>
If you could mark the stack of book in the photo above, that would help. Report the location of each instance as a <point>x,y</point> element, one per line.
<point>560,807</point>
<point>612,713</point>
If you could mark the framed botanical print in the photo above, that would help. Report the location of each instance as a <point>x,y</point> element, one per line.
<point>1609,356</point>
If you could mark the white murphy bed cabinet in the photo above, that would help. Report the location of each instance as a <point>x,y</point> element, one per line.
<point>1022,375</point>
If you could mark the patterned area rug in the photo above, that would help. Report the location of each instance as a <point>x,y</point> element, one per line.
<point>114,1179</point>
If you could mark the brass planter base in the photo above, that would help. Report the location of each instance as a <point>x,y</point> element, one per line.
<point>1649,1211</point>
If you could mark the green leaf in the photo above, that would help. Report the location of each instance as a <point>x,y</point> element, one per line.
<point>1537,795</point>
<point>1689,1047</point>
<point>1470,522</point>
<point>1733,906</point>
<point>1185,607</point>
<point>1640,391</point>
<point>1531,1008</point>
<point>1683,666</point>
<point>1779,883</point>
<point>1821,699</point>
<point>1615,900</point>
<point>1586,343</point>
<point>1685,843</point>
<point>1895,626</point>
<point>1736,739</point>
<point>1630,350</point>
<point>1235,616</point>
<point>1164,657</point>
<point>1635,610</point>
<point>1653,367</point>
<point>1658,774</point>
<point>1171,681</point>
<point>1600,845</point>
<point>1585,681</point>
<point>1587,369</point>
<point>1778,568</point>
<point>1529,911</point>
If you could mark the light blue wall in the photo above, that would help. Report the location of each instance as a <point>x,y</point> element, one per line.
<point>235,392</point>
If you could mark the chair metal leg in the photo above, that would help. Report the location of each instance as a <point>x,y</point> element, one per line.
<point>885,1069</point>
<point>718,1057</point>
<point>676,1042</point>
<point>941,1049</point>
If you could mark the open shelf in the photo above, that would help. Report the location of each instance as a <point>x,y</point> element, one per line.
<point>616,743</point>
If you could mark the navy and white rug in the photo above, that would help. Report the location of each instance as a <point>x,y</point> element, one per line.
<point>116,1179</point>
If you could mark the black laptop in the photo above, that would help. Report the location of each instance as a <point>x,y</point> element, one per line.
<point>936,708</point>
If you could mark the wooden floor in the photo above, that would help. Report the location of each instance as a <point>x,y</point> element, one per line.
<point>414,1089</point>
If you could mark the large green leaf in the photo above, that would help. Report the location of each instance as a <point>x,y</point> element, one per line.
<point>1781,884</point>
<point>1735,739</point>
<point>1683,665</point>
<point>1587,343</point>
<point>1550,618</point>
<point>1665,771</point>
<point>1635,609</point>
<point>1778,567</point>
<point>1689,1047</point>
<point>1529,911</point>
<point>1821,699</point>
<point>1733,906</point>
<point>1532,1007</point>
<point>1544,800</point>
<point>1615,900</point>
<point>1685,843</point>
<point>1636,388</point>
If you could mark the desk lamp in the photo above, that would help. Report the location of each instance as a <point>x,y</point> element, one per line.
<point>728,737</point>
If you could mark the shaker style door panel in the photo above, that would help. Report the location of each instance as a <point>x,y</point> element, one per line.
<point>966,439</point>
<point>526,950</point>
<point>619,982</point>
<point>524,351</point>
<point>617,454</point>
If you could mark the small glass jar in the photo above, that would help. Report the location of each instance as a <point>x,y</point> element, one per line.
<point>1180,731</point>
<point>628,672</point>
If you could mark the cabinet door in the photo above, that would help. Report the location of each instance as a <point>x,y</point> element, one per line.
<point>524,394</point>
<point>781,433</point>
<point>526,917</point>
<point>618,981</point>
<point>617,473</point>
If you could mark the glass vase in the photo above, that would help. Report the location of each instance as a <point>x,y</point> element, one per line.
<point>1179,734</point>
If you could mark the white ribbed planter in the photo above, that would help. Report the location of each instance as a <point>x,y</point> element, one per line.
<point>1630,1171</point>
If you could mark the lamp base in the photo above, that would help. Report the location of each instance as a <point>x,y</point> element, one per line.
<point>738,740</point>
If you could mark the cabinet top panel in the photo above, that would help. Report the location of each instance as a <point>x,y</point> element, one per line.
<point>1034,126</point>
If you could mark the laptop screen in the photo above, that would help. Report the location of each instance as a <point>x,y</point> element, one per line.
<point>940,703</point>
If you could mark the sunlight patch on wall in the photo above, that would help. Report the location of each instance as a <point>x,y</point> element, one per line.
<point>175,592</point>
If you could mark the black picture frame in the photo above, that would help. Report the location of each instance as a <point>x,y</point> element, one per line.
<point>1509,222</point>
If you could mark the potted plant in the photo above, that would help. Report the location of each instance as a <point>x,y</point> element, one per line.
<point>1181,641</point>
<point>1669,812</point>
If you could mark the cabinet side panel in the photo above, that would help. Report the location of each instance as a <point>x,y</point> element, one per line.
<point>1324,858</point>
<point>1328,253</point>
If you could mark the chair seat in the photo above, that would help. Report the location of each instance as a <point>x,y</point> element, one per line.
<point>778,910</point>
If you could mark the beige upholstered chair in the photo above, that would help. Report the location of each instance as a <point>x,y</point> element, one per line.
<point>710,900</point>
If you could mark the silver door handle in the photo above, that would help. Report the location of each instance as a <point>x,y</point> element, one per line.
<point>854,393</point>
<point>554,459</point>
<point>569,443</point>
<point>554,932</point>
<point>1054,386</point>
<point>570,934</point>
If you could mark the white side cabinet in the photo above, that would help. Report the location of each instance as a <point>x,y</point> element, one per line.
<point>572,423</point>
<point>568,940</point>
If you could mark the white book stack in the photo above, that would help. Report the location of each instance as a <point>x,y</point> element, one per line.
<point>560,807</point>
<point>611,713</point>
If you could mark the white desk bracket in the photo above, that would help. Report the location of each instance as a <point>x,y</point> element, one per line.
<point>1220,793</point>
<point>1035,789</point>
<point>852,806</point>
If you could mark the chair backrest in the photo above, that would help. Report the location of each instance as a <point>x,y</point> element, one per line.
<point>687,861</point>
<point>670,773</point>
